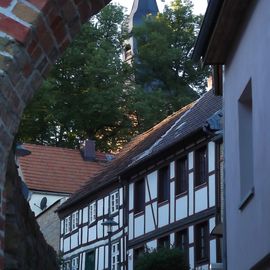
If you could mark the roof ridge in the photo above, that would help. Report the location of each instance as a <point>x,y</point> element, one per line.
<point>58,147</point>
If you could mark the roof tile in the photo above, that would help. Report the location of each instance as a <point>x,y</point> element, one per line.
<point>56,169</point>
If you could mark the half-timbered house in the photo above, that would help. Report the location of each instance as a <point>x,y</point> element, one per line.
<point>163,189</point>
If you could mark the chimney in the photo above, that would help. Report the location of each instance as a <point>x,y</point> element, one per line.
<point>89,150</point>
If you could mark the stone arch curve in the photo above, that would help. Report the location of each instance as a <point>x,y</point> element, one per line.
<point>33,34</point>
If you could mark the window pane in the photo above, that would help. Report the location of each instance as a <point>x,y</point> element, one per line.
<point>163,184</point>
<point>139,196</point>
<point>181,183</point>
<point>164,242</point>
<point>202,241</point>
<point>201,165</point>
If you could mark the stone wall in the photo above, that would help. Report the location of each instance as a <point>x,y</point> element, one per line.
<point>33,34</point>
<point>49,223</point>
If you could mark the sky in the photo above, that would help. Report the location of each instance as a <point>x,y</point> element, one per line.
<point>199,5</point>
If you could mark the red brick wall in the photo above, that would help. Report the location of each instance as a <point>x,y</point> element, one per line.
<point>33,34</point>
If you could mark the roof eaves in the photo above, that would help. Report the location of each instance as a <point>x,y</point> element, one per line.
<point>208,25</point>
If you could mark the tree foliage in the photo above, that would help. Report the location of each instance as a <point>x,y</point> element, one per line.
<point>92,93</point>
<point>165,44</point>
<point>162,259</point>
<point>84,95</point>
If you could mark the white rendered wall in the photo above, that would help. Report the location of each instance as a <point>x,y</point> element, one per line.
<point>37,197</point>
<point>251,59</point>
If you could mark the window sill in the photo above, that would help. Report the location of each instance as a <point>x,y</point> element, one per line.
<point>138,213</point>
<point>182,194</point>
<point>200,262</point>
<point>163,203</point>
<point>199,186</point>
<point>246,199</point>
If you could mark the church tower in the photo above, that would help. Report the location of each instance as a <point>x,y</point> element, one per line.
<point>140,9</point>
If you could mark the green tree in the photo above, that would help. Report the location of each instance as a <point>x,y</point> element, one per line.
<point>163,61</point>
<point>85,95</point>
<point>162,259</point>
<point>91,92</point>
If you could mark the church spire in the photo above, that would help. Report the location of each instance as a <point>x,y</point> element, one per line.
<point>140,9</point>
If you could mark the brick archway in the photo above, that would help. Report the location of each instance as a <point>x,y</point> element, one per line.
<point>33,34</point>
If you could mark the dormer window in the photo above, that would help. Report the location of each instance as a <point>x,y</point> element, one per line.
<point>114,202</point>
<point>75,220</point>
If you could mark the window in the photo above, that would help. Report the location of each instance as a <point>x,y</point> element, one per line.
<point>138,252</point>
<point>115,256</point>
<point>139,196</point>
<point>114,202</point>
<point>202,242</point>
<point>181,240</point>
<point>201,166</point>
<point>67,265</point>
<point>92,212</point>
<point>181,181</point>
<point>164,242</point>
<point>75,220</point>
<point>163,184</point>
<point>75,263</point>
<point>67,224</point>
<point>246,144</point>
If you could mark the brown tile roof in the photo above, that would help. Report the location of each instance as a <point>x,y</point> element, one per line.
<point>57,169</point>
<point>173,129</point>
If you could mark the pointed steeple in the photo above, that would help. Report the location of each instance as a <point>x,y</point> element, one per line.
<point>140,9</point>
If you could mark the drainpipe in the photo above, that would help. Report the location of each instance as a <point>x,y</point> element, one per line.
<point>224,242</point>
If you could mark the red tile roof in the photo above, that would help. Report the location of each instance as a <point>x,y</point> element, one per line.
<point>57,169</point>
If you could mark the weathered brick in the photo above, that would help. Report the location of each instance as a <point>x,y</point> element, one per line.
<point>13,28</point>
<point>42,65</point>
<point>74,27</point>
<point>69,10</point>
<point>36,80</point>
<point>84,9</point>
<point>40,4</point>
<point>25,13</point>
<point>5,4</point>
<point>5,138</point>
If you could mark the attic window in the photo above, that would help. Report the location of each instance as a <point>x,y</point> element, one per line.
<point>163,184</point>
<point>92,212</point>
<point>114,202</point>
<point>75,220</point>
<point>67,225</point>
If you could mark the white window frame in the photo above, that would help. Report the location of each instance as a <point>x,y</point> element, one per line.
<point>74,220</point>
<point>114,202</point>
<point>67,265</point>
<point>75,263</point>
<point>67,225</point>
<point>115,255</point>
<point>92,212</point>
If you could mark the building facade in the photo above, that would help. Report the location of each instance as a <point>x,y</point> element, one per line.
<point>162,190</point>
<point>242,48</point>
<point>52,174</point>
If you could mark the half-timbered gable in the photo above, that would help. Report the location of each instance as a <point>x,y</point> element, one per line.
<point>162,190</point>
<point>174,200</point>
